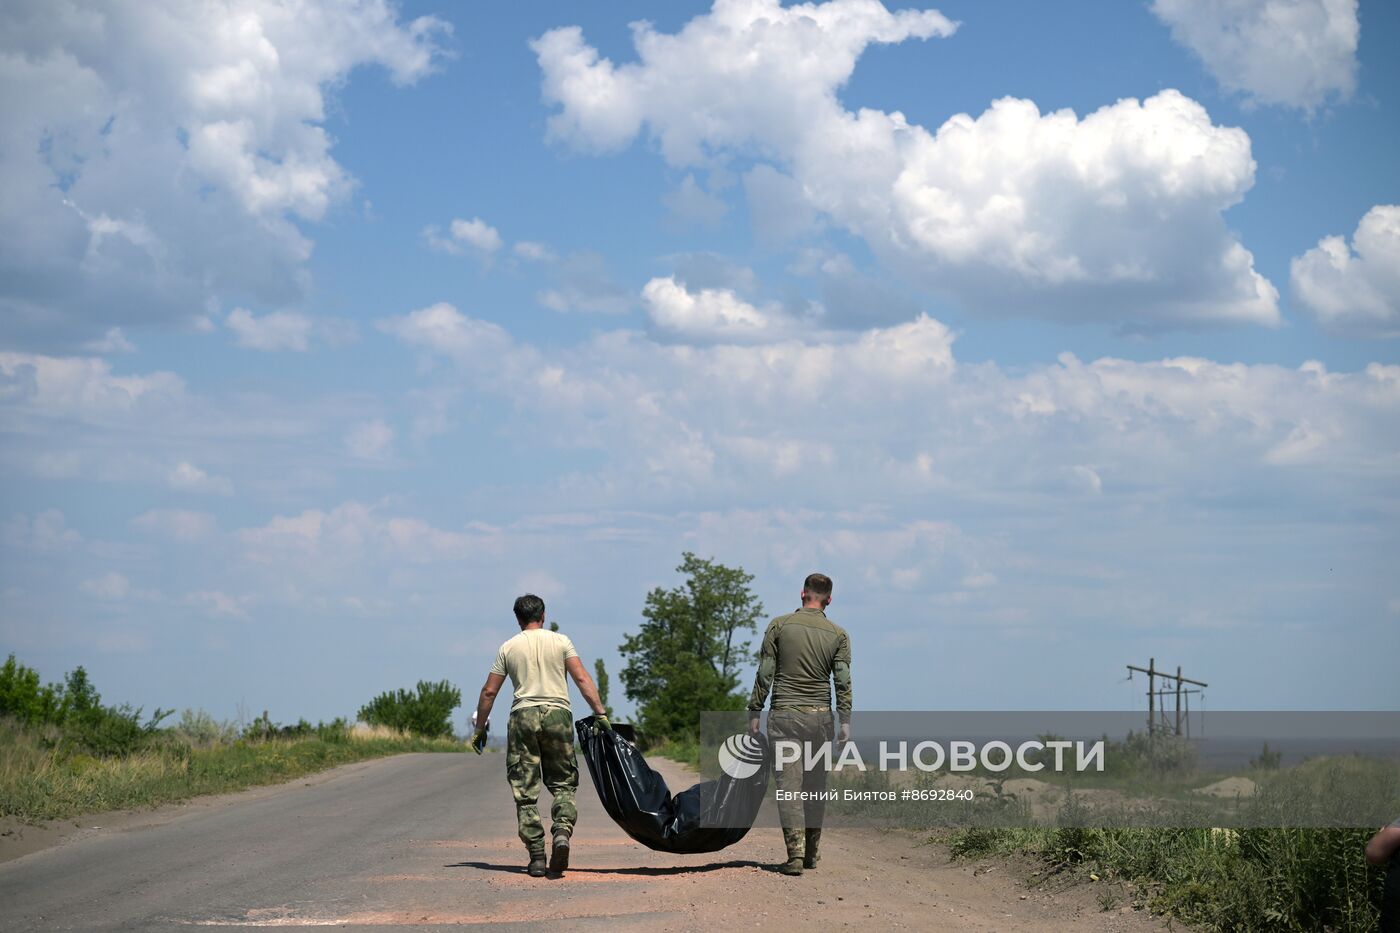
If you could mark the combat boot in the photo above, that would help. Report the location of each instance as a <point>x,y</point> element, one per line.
<point>796,845</point>
<point>811,856</point>
<point>536,868</point>
<point>559,856</point>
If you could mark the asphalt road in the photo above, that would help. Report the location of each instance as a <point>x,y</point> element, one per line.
<point>428,842</point>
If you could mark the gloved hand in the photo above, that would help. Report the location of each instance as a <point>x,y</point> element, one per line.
<point>602,723</point>
<point>479,741</point>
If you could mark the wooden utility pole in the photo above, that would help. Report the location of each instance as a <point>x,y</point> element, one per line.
<point>1153,693</point>
<point>1151,696</point>
<point>1178,699</point>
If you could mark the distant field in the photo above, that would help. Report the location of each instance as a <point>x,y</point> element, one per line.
<point>39,781</point>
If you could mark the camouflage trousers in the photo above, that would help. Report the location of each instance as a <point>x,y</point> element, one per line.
<point>540,749</point>
<point>801,820</point>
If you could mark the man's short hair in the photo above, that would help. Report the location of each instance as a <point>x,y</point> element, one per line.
<point>818,584</point>
<point>529,608</point>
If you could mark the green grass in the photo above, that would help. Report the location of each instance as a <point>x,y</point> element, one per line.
<point>1264,875</point>
<point>685,750</point>
<point>40,780</point>
<point>1217,879</point>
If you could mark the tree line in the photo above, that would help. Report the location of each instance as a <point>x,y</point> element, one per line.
<point>686,657</point>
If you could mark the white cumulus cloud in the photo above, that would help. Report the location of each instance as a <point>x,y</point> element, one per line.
<point>443,330</point>
<point>46,532</point>
<point>1298,53</point>
<point>114,341</point>
<point>156,154</point>
<point>1116,215</point>
<point>1355,287</point>
<point>354,531</point>
<point>533,251</point>
<point>287,330</point>
<point>80,387</point>
<point>475,234</point>
<point>712,314</point>
<point>187,477</point>
<point>278,330</point>
<point>891,407</point>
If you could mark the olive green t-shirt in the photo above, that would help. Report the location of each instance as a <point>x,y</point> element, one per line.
<point>534,659</point>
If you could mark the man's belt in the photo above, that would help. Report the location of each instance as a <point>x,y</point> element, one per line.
<point>801,709</point>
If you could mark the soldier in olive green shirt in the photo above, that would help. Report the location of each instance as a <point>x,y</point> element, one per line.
<point>803,653</point>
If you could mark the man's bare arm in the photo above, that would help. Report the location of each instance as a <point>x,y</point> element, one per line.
<point>487,699</point>
<point>585,685</point>
<point>1383,845</point>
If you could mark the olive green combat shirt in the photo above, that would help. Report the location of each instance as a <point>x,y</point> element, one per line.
<point>803,652</point>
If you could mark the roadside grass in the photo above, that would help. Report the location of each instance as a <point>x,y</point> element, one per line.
<point>1263,875</point>
<point>41,778</point>
<point>684,750</point>
<point>1216,879</point>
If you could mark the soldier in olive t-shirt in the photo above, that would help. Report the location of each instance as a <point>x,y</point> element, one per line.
<point>803,653</point>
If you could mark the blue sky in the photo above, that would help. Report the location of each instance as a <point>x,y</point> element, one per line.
<point>1060,335</point>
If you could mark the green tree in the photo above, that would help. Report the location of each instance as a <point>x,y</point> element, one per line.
<point>600,676</point>
<point>25,698</point>
<point>426,712</point>
<point>109,731</point>
<point>76,707</point>
<point>80,697</point>
<point>691,647</point>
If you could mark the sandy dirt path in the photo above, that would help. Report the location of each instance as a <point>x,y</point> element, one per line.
<point>428,842</point>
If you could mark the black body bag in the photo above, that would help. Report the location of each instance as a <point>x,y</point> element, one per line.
<point>706,818</point>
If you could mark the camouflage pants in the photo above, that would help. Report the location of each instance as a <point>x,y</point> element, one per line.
<point>810,728</point>
<point>540,748</point>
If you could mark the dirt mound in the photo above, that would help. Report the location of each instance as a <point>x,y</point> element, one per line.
<point>1231,788</point>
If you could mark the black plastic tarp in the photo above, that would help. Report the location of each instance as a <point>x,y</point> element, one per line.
<point>706,818</point>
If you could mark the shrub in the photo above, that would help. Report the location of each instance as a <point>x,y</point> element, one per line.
<point>1144,753</point>
<point>112,730</point>
<point>200,729</point>
<point>25,699</point>
<point>1267,760</point>
<point>426,712</point>
<point>263,728</point>
<point>337,730</point>
<point>75,707</point>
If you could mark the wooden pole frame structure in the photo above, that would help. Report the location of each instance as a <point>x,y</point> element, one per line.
<point>1177,690</point>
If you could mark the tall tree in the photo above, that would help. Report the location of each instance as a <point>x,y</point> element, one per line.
<point>600,676</point>
<point>691,647</point>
